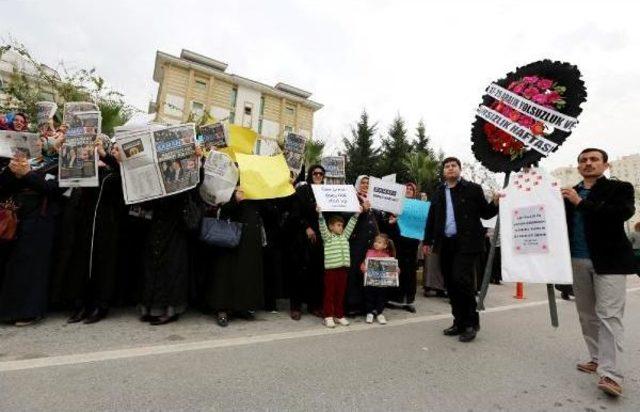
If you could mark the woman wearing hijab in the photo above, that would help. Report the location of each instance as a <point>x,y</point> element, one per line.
<point>26,258</point>
<point>407,254</point>
<point>361,240</point>
<point>311,251</point>
<point>236,281</point>
<point>86,273</point>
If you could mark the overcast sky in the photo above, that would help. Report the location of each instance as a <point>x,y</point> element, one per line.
<point>415,58</point>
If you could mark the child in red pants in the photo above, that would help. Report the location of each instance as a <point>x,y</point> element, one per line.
<point>337,260</point>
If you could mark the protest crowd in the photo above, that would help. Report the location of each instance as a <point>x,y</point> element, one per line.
<point>85,250</point>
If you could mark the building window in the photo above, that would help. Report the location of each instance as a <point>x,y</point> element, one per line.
<point>262,105</point>
<point>260,125</point>
<point>287,130</point>
<point>201,85</point>
<point>247,110</point>
<point>173,105</point>
<point>197,110</point>
<point>234,98</point>
<point>290,110</point>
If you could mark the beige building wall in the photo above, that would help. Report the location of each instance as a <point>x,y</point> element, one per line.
<point>191,85</point>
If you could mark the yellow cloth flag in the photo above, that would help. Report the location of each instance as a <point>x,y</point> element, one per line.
<point>242,139</point>
<point>264,177</point>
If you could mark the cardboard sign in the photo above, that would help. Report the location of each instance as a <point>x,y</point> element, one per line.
<point>336,198</point>
<point>413,220</point>
<point>264,177</point>
<point>386,196</point>
<point>533,231</point>
<point>382,272</point>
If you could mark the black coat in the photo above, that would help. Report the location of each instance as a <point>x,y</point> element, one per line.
<point>469,206</point>
<point>609,204</point>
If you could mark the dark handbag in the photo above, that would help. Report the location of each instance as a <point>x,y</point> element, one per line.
<point>220,233</point>
<point>8,221</point>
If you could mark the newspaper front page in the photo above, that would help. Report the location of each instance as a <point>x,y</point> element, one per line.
<point>78,160</point>
<point>158,163</point>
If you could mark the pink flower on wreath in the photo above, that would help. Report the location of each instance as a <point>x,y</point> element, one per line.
<point>529,92</point>
<point>526,121</point>
<point>541,98</point>
<point>544,84</point>
<point>519,88</point>
<point>530,79</point>
<point>512,85</point>
<point>553,97</point>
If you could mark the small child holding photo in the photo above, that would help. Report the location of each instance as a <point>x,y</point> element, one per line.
<point>375,297</point>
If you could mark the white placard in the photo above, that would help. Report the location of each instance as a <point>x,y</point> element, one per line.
<point>220,179</point>
<point>386,196</point>
<point>533,231</point>
<point>336,198</point>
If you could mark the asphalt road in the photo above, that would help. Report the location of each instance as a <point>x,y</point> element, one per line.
<point>518,362</point>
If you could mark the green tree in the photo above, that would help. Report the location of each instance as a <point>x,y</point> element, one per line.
<point>394,151</point>
<point>362,156</point>
<point>422,142</point>
<point>423,170</point>
<point>313,152</point>
<point>77,85</point>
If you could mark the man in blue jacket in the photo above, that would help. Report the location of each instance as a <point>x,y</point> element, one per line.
<point>601,256</point>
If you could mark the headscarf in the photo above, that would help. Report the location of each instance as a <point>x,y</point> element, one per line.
<point>358,180</point>
<point>415,189</point>
<point>310,173</point>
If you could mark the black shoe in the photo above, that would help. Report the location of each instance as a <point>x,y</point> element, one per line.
<point>452,331</point>
<point>163,320</point>
<point>441,294</point>
<point>222,319</point>
<point>77,316</point>
<point>409,308</point>
<point>96,316</point>
<point>147,318</point>
<point>565,295</point>
<point>476,327</point>
<point>468,335</point>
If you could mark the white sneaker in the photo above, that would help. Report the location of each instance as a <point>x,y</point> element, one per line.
<point>381,319</point>
<point>343,321</point>
<point>328,322</point>
<point>369,318</point>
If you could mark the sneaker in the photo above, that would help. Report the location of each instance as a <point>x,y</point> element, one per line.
<point>343,321</point>
<point>588,367</point>
<point>328,322</point>
<point>609,386</point>
<point>369,318</point>
<point>381,319</point>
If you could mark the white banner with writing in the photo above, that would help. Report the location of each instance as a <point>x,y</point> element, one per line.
<point>533,231</point>
<point>336,198</point>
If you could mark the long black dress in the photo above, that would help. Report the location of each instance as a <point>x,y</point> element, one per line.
<point>165,287</point>
<point>235,281</point>
<point>26,260</point>
<point>311,254</point>
<point>86,270</point>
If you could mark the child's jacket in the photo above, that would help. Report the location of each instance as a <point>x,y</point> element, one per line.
<point>336,247</point>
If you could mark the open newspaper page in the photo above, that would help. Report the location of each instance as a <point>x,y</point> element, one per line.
<point>19,144</point>
<point>294,145</point>
<point>78,161</point>
<point>140,173</point>
<point>382,272</point>
<point>176,156</point>
<point>220,179</point>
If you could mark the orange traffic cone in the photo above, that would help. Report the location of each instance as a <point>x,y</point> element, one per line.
<point>519,291</point>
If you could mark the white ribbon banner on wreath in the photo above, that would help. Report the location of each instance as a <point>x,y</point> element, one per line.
<point>523,134</point>
<point>544,114</point>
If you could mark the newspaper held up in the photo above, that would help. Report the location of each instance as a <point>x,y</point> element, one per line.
<point>382,272</point>
<point>220,179</point>
<point>157,162</point>
<point>334,166</point>
<point>45,112</point>
<point>19,144</point>
<point>294,151</point>
<point>214,135</point>
<point>78,160</point>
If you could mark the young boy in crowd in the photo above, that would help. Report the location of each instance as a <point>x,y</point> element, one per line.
<point>336,262</point>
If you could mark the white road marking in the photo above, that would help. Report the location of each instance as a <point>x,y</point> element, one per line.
<point>101,356</point>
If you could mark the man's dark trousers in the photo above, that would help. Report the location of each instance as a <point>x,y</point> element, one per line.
<point>458,273</point>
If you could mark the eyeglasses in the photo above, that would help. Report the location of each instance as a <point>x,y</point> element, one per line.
<point>318,174</point>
